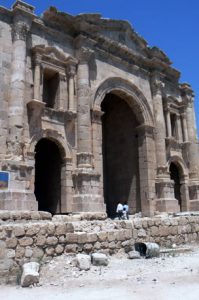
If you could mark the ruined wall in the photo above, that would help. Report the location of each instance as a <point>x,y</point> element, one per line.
<point>35,237</point>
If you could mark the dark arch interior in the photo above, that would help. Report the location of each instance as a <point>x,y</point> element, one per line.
<point>120,155</point>
<point>48,176</point>
<point>175,176</point>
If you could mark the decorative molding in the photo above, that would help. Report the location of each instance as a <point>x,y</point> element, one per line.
<point>20,31</point>
<point>96,116</point>
<point>84,55</point>
<point>127,91</point>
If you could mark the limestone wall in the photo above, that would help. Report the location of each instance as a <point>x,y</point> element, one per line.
<point>39,239</point>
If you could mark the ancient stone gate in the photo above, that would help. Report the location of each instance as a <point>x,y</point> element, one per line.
<point>91,115</point>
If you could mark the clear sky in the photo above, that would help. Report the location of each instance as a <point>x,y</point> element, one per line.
<point>172,25</point>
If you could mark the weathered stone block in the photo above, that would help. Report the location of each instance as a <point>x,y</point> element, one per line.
<point>61,229</point>
<point>40,240</point>
<point>30,274</point>
<point>18,230</point>
<point>2,249</point>
<point>72,248</point>
<point>102,236</point>
<point>11,242</point>
<point>99,259</point>
<point>91,237</point>
<point>59,249</point>
<point>83,261</point>
<point>51,240</point>
<point>72,238</point>
<point>25,241</point>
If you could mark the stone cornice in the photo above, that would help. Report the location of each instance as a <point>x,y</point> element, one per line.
<point>53,56</point>
<point>187,93</point>
<point>90,26</point>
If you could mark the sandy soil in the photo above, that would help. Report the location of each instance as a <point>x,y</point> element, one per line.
<point>173,277</point>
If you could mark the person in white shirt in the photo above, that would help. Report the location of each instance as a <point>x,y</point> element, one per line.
<point>126,211</point>
<point>119,211</point>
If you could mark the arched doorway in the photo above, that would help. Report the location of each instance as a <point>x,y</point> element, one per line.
<point>120,154</point>
<point>48,176</point>
<point>175,176</point>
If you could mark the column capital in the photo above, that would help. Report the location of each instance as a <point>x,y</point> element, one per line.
<point>37,59</point>
<point>71,70</point>
<point>84,55</point>
<point>187,93</point>
<point>20,31</point>
<point>62,76</point>
<point>96,116</point>
<point>157,84</point>
<point>146,130</point>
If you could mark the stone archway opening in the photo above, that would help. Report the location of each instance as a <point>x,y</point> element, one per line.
<point>120,155</point>
<point>175,176</point>
<point>48,163</point>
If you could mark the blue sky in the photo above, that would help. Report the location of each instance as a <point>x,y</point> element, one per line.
<point>172,25</point>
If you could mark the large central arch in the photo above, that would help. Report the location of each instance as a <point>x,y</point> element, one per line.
<point>120,155</point>
<point>128,91</point>
<point>127,138</point>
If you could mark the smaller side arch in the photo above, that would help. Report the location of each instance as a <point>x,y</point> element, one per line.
<point>56,138</point>
<point>179,175</point>
<point>178,161</point>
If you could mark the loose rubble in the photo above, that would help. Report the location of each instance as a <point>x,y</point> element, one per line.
<point>30,275</point>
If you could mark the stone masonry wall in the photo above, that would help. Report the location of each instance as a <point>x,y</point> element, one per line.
<point>40,239</point>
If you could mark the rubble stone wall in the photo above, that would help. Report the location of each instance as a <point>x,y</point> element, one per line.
<point>40,240</point>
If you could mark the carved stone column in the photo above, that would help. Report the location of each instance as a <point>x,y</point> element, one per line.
<point>21,26</point>
<point>20,192</point>
<point>164,187</point>
<point>88,197</point>
<point>191,146</point>
<point>63,93</point>
<point>147,164</point>
<point>168,122</point>
<point>97,144</point>
<point>184,127</point>
<point>188,97</point>
<point>84,156</point>
<point>71,87</point>
<point>160,134</point>
<point>37,77</point>
<point>179,129</point>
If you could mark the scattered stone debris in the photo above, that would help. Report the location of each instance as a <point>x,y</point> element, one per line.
<point>30,275</point>
<point>99,259</point>
<point>134,255</point>
<point>83,261</point>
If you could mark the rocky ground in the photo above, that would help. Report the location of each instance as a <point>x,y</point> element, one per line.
<point>173,276</point>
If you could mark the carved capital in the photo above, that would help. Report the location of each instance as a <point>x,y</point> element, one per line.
<point>145,131</point>
<point>187,93</point>
<point>62,77</point>
<point>84,160</point>
<point>84,54</point>
<point>20,31</point>
<point>157,86</point>
<point>97,116</point>
<point>37,59</point>
<point>71,70</point>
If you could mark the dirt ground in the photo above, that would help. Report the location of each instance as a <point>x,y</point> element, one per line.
<point>174,276</point>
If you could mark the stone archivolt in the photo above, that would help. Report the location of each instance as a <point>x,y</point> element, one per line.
<point>111,110</point>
